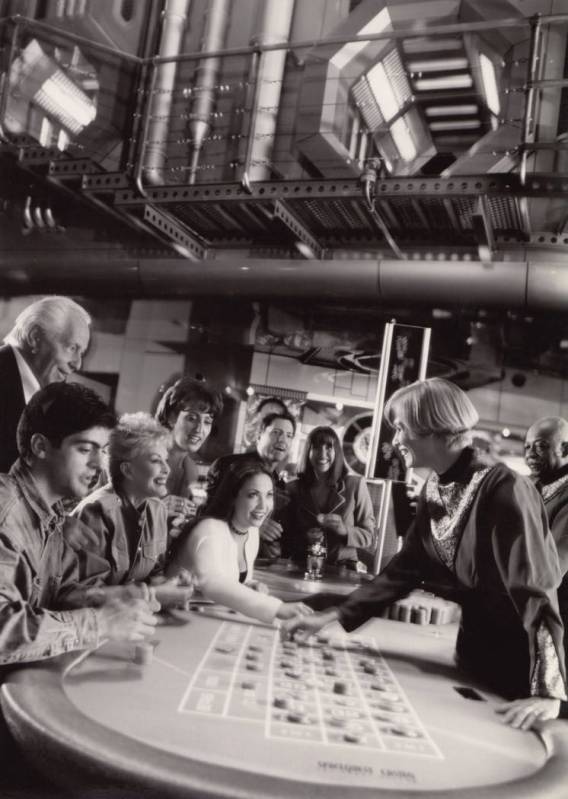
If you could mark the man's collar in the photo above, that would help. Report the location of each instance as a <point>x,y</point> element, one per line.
<point>30,383</point>
<point>553,476</point>
<point>33,493</point>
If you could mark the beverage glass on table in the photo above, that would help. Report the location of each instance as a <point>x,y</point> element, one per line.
<point>316,554</point>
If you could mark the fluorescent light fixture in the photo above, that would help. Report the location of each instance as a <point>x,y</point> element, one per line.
<point>382,91</point>
<point>63,140</point>
<point>38,78</point>
<point>489,80</point>
<point>403,140</point>
<point>456,124</point>
<point>463,81</point>
<point>438,65</point>
<point>45,132</point>
<point>347,53</point>
<point>451,110</point>
<point>60,98</point>
<point>305,250</point>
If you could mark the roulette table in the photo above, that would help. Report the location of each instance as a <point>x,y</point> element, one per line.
<point>224,708</point>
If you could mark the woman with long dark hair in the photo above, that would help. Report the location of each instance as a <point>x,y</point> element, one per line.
<point>220,548</point>
<point>327,497</point>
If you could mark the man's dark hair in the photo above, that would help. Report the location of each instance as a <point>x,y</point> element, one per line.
<point>60,410</point>
<point>271,401</point>
<point>271,417</point>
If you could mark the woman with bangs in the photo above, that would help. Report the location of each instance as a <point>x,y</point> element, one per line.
<point>188,409</point>
<point>328,498</point>
<point>481,538</point>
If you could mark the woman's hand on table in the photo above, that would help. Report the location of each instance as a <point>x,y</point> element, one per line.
<point>524,714</point>
<point>293,610</point>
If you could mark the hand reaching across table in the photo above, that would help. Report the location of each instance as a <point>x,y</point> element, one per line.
<point>302,626</point>
<point>293,610</point>
<point>126,621</point>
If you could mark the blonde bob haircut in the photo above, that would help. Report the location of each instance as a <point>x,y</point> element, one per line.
<point>433,407</point>
<point>134,434</point>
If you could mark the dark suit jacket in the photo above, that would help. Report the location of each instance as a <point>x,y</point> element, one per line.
<point>11,406</point>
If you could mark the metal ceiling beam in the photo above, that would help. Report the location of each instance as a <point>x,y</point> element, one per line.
<point>282,212</point>
<point>506,184</point>
<point>407,32</point>
<point>484,230</point>
<point>175,233</point>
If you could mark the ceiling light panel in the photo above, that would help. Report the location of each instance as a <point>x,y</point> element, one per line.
<point>464,109</point>
<point>367,105</point>
<point>438,65</point>
<point>489,80</point>
<point>403,140</point>
<point>461,81</point>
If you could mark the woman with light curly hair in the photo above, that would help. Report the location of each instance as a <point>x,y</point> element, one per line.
<point>120,529</point>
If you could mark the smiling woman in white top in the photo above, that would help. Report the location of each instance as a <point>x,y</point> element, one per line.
<point>220,549</point>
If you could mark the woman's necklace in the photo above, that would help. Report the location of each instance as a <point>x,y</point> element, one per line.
<point>236,530</point>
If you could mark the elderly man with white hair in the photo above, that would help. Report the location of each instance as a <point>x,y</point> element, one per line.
<point>45,345</point>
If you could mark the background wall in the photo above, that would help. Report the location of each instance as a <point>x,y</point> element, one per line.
<point>323,359</point>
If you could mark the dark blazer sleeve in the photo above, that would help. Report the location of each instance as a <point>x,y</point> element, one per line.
<point>362,533</point>
<point>527,561</point>
<point>401,575</point>
<point>11,407</point>
<point>559,527</point>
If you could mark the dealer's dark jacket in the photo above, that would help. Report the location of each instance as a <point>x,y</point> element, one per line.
<point>12,404</point>
<point>505,577</point>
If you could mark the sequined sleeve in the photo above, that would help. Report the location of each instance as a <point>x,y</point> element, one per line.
<point>547,678</point>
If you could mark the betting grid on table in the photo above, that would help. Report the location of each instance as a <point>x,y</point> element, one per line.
<point>228,693</point>
<point>329,690</point>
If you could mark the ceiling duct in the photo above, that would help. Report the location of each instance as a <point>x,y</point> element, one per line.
<point>173,28</point>
<point>529,285</point>
<point>274,29</point>
<point>206,71</point>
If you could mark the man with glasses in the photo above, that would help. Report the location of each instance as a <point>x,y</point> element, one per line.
<point>273,446</point>
<point>546,455</point>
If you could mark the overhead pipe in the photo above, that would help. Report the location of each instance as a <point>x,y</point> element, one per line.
<point>154,146</point>
<point>207,75</point>
<point>260,128</point>
<point>529,121</point>
<point>528,285</point>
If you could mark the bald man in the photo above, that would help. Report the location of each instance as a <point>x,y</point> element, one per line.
<point>546,454</point>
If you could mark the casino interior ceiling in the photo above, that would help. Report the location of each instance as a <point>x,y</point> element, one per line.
<point>420,146</point>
